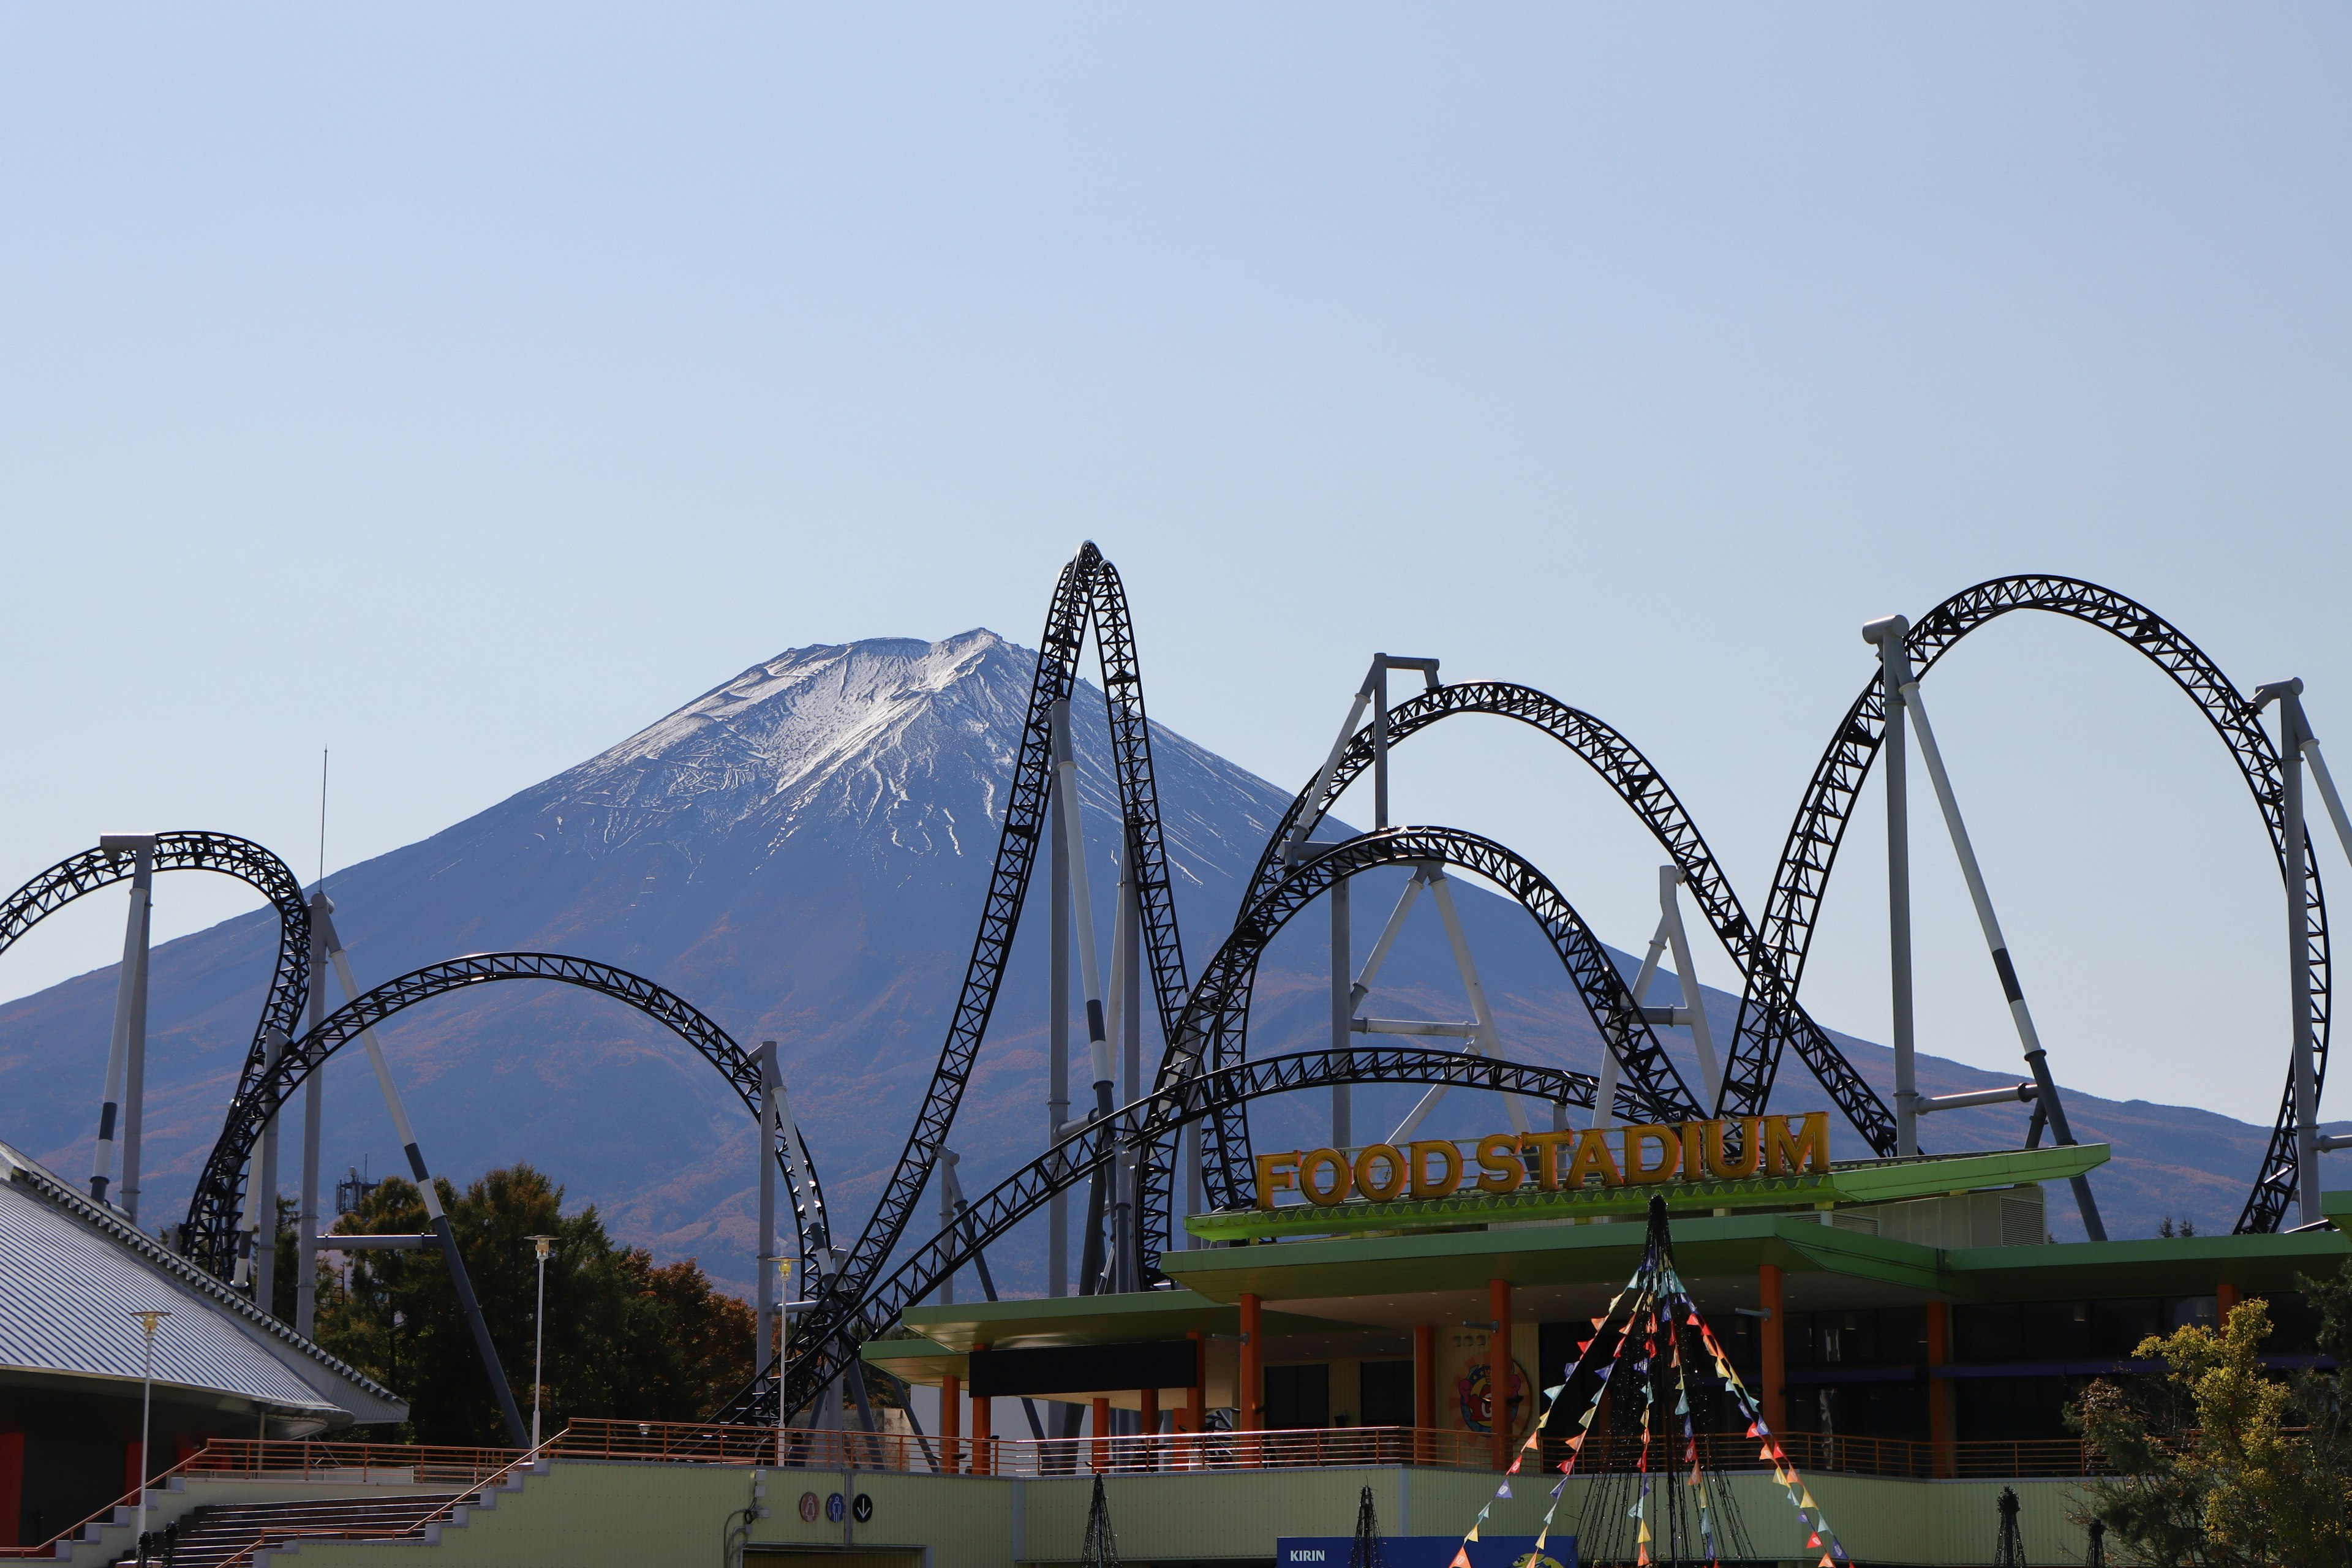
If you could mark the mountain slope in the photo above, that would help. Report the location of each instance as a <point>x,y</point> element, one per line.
<point>801,851</point>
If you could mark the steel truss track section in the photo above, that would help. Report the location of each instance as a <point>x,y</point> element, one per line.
<point>1214,1033</point>
<point>218,1202</point>
<point>833,1330</point>
<point>290,981</point>
<point>1768,1015</point>
<point>1089,591</point>
<point>1644,789</point>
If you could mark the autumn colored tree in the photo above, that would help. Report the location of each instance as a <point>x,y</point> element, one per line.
<point>2219,1463</point>
<point>623,1337</point>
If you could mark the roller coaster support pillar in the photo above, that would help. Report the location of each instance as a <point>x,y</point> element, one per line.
<point>765,1318</point>
<point>1604,1098</point>
<point>1895,670</point>
<point>261,1210</point>
<point>2294,735</point>
<point>1066,778</point>
<point>1057,1046</point>
<point>1343,1012</point>
<point>306,1213</point>
<point>126,1052</point>
<point>1131,1008</point>
<point>1376,684</point>
<point>1692,1011</point>
<point>2047,1101</point>
<point>517,1431</point>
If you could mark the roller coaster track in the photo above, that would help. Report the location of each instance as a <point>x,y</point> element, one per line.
<point>840,1322</point>
<point>1638,783</point>
<point>1768,1017</point>
<point>1088,590</point>
<point>218,1201</point>
<point>1214,1033</point>
<point>289,983</point>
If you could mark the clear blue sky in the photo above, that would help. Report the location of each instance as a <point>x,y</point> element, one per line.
<point>461,387</point>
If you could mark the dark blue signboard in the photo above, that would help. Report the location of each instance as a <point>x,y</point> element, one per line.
<point>1425,1551</point>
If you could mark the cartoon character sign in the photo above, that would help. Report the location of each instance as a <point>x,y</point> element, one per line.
<point>1474,1390</point>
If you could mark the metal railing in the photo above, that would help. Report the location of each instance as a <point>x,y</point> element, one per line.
<point>365,1463</point>
<point>267,1539</point>
<point>795,1448</point>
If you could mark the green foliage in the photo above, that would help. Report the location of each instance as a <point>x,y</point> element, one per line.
<point>2221,1464</point>
<point>623,1337</point>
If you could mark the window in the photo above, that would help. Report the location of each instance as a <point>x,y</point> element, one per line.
<point>1388,1393</point>
<point>1298,1395</point>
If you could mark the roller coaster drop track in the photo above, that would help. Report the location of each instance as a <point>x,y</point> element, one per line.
<point>211,1233</point>
<point>1206,1047</point>
<point>215,1209</point>
<point>1769,1016</point>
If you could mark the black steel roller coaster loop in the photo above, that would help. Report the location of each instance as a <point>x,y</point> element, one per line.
<point>834,1328</point>
<point>289,983</point>
<point>1088,590</point>
<point>1213,1035</point>
<point>218,1201</point>
<point>1768,1015</point>
<point>1644,789</point>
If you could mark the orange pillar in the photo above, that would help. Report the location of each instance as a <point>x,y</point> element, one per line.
<point>1149,1420</point>
<point>1776,1349</point>
<point>2225,1301</point>
<point>951,1423</point>
<point>1425,1390</point>
<point>1102,1433</point>
<point>984,1455</point>
<point>1498,1371</point>
<point>1250,1398</point>
<point>1942,1457</point>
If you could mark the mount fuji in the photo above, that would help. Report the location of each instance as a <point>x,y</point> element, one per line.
<point>802,852</point>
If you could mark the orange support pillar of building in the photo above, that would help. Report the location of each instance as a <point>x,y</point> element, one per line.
<point>1500,1368</point>
<point>1148,1406</point>
<point>1942,1455</point>
<point>1102,1432</point>
<point>983,1454</point>
<point>2225,1301</point>
<point>1249,1399</point>
<point>951,1423</point>
<point>1776,1349</point>
<point>1424,1391</point>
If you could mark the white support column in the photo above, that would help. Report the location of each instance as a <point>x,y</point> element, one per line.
<point>1692,1011</point>
<point>2022,1016</point>
<point>1489,1042</point>
<point>1895,674</point>
<point>948,1192</point>
<point>2293,733</point>
<point>1604,1096</point>
<point>1343,1010</point>
<point>135,1056</point>
<point>1099,1197</point>
<point>306,1223</point>
<point>128,982</point>
<point>764,1316</point>
<point>1057,1044</point>
<point>262,1189</point>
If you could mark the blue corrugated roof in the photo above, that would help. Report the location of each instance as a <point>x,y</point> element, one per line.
<point>73,1273</point>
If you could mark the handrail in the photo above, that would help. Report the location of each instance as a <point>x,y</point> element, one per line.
<point>440,1515</point>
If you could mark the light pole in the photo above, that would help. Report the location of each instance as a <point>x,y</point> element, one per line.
<point>147,1321</point>
<point>538,1332</point>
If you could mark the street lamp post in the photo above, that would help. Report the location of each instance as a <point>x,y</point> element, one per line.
<point>147,1321</point>
<point>538,1331</point>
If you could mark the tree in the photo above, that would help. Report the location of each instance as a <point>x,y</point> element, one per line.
<point>2219,1464</point>
<point>623,1337</point>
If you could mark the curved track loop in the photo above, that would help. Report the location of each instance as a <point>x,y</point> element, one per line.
<point>841,1322</point>
<point>1213,1034</point>
<point>1644,789</point>
<point>289,983</point>
<point>1089,589</point>
<point>214,1211</point>
<point>1768,1015</point>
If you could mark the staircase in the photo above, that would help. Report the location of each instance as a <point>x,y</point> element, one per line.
<point>241,1534</point>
